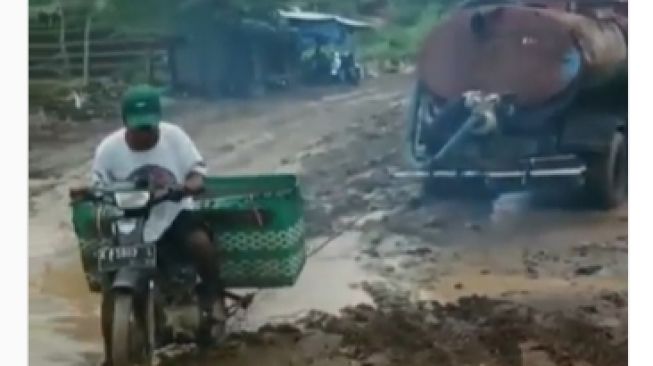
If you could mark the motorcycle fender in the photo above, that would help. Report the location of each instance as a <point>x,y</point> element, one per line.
<point>129,279</point>
<point>589,133</point>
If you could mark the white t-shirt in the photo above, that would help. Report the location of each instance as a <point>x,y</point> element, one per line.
<point>169,162</point>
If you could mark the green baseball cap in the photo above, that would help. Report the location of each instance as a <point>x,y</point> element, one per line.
<point>141,107</point>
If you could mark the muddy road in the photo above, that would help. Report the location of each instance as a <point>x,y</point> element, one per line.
<point>514,281</point>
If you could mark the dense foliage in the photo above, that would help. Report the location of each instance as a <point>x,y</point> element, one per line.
<point>404,22</point>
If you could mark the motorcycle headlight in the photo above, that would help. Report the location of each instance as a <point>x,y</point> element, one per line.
<point>132,200</point>
<point>126,226</point>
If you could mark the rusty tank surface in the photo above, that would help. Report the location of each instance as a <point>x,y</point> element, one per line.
<point>533,52</point>
<point>517,94</point>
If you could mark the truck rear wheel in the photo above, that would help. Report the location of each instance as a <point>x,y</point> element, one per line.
<point>606,178</point>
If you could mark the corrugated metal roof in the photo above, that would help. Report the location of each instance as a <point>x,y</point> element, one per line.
<point>310,16</point>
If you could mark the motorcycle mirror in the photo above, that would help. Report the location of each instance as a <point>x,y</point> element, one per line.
<point>78,193</point>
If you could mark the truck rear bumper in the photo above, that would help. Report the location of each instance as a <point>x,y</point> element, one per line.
<point>533,171</point>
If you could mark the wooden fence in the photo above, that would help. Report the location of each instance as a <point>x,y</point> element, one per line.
<point>57,54</point>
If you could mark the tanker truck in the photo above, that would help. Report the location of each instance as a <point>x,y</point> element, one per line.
<point>514,95</point>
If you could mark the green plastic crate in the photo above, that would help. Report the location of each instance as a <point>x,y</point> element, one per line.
<point>257,222</point>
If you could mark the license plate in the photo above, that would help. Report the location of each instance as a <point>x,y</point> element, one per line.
<point>137,256</point>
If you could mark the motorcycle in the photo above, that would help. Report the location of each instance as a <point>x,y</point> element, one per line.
<point>345,69</point>
<point>145,288</point>
<point>337,68</point>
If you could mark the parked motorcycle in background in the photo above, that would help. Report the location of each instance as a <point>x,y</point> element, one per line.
<point>334,67</point>
<point>345,69</point>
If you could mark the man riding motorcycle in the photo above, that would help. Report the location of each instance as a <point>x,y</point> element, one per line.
<point>147,149</point>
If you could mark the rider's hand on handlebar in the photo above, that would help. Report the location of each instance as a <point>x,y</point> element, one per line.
<point>173,194</point>
<point>194,184</point>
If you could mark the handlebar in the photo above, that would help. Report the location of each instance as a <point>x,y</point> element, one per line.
<point>174,194</point>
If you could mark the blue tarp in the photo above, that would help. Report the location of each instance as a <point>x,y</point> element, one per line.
<point>327,33</point>
<point>324,28</point>
<point>307,16</point>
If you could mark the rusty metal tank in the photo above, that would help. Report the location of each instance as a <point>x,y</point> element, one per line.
<point>534,52</point>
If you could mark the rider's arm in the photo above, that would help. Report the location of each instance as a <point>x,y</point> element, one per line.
<point>100,170</point>
<point>194,163</point>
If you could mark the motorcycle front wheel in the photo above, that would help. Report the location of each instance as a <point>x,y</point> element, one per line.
<point>129,339</point>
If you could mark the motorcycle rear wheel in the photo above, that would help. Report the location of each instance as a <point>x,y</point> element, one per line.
<point>212,332</point>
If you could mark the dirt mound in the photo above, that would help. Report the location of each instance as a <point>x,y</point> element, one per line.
<point>474,331</point>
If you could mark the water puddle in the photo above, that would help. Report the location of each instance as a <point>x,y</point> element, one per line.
<point>64,315</point>
<point>327,283</point>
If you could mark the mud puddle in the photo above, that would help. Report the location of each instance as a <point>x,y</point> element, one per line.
<point>64,308</point>
<point>474,330</point>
